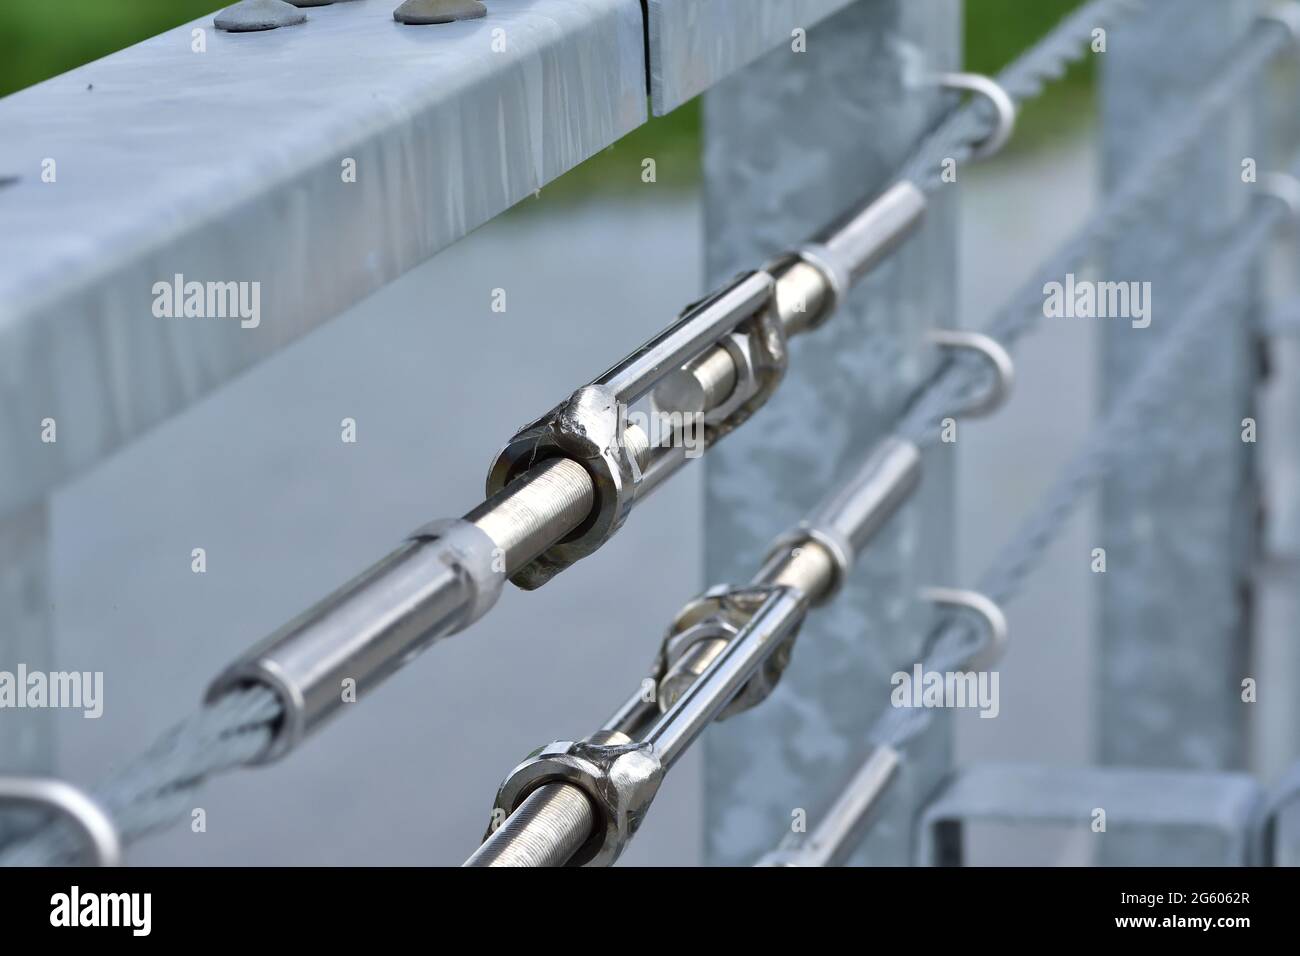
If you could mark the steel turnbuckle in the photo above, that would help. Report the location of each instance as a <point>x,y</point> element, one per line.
<point>65,801</point>
<point>566,483</point>
<point>816,556</point>
<point>537,819</point>
<point>580,802</point>
<point>590,426</point>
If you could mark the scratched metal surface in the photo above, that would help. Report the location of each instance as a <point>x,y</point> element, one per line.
<point>226,166</point>
<point>1177,521</point>
<point>696,43</point>
<point>789,142</point>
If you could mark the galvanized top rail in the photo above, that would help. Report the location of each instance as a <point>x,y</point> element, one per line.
<point>320,161</point>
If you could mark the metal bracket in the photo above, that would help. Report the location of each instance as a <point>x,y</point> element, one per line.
<point>1174,817</point>
<point>67,801</point>
<point>1264,840</point>
<point>1003,104</point>
<point>992,618</point>
<point>992,351</point>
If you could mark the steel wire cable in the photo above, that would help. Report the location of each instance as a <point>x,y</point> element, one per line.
<point>958,136</point>
<point>153,791</point>
<point>157,789</point>
<point>1111,442</point>
<point>951,386</point>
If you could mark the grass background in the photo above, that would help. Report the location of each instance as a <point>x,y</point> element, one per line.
<point>42,38</point>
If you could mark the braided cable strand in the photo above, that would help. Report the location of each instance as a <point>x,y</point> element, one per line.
<point>959,375</point>
<point>1109,444</point>
<point>157,789</point>
<point>959,135</point>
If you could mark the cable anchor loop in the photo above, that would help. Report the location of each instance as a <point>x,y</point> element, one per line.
<point>1004,106</point>
<point>998,359</point>
<point>1286,189</point>
<point>1287,14</point>
<point>990,615</point>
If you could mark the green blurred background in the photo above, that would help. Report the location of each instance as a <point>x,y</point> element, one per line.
<point>42,38</point>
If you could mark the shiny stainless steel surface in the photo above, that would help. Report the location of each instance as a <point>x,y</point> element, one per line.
<point>999,360</point>
<point>721,644</point>
<point>686,670</point>
<point>700,385</point>
<point>774,622</point>
<point>72,805</point>
<point>546,830</point>
<point>869,235</point>
<point>634,714</point>
<point>855,510</point>
<point>619,776</point>
<point>837,832</point>
<point>542,517</point>
<point>808,567</point>
<point>689,337</point>
<point>364,632</point>
<point>535,510</point>
<point>802,295</point>
<point>628,777</point>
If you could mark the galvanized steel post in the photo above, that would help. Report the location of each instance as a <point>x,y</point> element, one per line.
<point>1178,520</point>
<point>788,141</point>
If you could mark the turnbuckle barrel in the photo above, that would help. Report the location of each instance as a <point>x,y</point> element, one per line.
<point>551,828</point>
<point>443,578</point>
<point>815,558</point>
<point>725,652</point>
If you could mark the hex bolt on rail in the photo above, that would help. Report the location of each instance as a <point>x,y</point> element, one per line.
<point>251,16</point>
<point>566,483</point>
<point>420,12</point>
<point>581,802</point>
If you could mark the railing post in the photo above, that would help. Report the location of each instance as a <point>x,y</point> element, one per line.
<point>26,637</point>
<point>790,142</point>
<point>1178,520</point>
